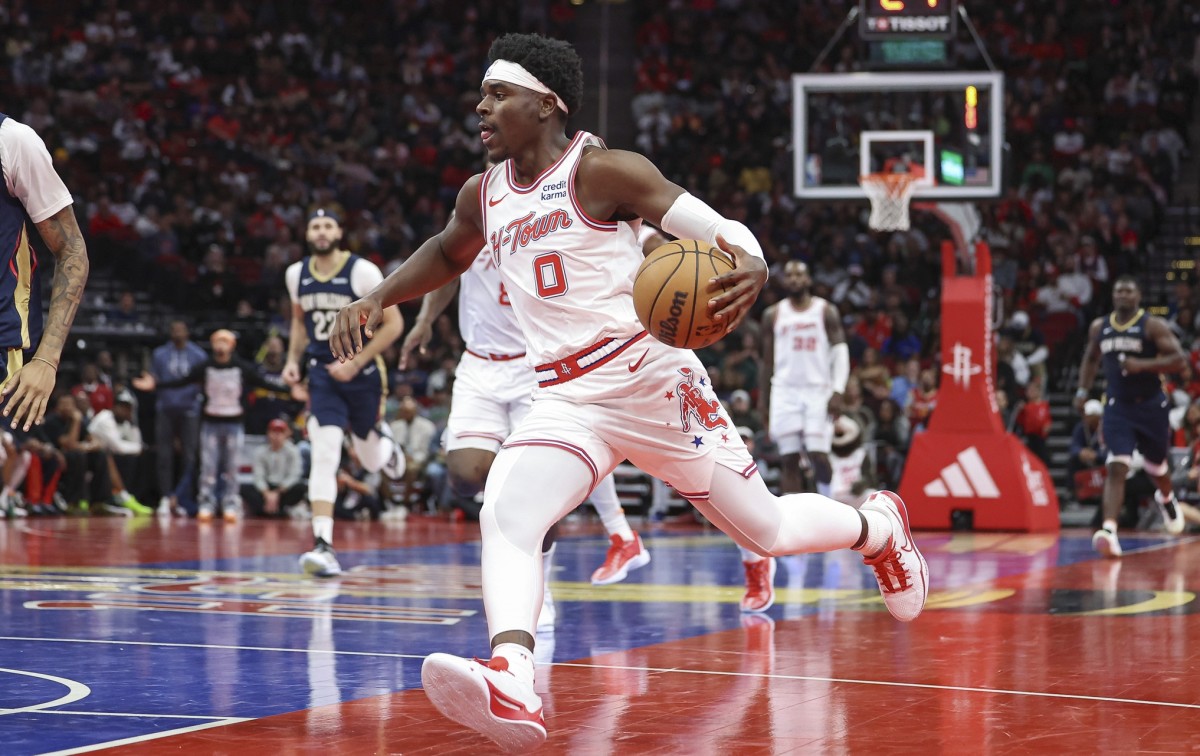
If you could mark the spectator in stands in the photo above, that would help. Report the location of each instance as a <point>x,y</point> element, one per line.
<point>99,394</point>
<point>1029,342</point>
<point>891,435</point>
<point>907,380</point>
<point>177,418</point>
<point>742,412</point>
<point>278,486</point>
<point>1012,371</point>
<point>267,404</point>
<point>903,343</point>
<point>875,378</point>
<point>870,330</point>
<point>414,433</point>
<point>357,489</point>
<point>1034,420</point>
<point>117,433</point>
<point>852,293</point>
<point>225,378</point>
<point>922,401</point>
<point>86,459</point>
<point>125,314</point>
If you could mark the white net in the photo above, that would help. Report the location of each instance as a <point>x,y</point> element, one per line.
<point>890,194</point>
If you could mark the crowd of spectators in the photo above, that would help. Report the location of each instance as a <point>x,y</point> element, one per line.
<point>196,137</point>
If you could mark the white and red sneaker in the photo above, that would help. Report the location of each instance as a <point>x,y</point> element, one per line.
<point>623,556</point>
<point>900,569</point>
<point>487,698</point>
<point>760,585</point>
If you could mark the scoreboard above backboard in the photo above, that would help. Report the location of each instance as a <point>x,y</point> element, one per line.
<point>907,19</point>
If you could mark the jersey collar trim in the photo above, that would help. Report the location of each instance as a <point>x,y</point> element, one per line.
<point>512,179</point>
<point>327,278</point>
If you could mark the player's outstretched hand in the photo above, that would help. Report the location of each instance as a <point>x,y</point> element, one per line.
<point>353,321</point>
<point>741,286</point>
<point>418,338</point>
<point>28,393</point>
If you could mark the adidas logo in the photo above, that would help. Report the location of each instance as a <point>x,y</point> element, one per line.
<point>965,478</point>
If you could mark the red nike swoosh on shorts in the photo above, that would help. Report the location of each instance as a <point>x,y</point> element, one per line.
<point>493,203</point>
<point>635,365</point>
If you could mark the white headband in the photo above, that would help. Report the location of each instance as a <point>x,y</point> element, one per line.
<point>515,73</point>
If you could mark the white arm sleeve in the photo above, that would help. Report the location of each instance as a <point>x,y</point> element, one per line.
<point>29,171</point>
<point>839,372</point>
<point>365,276</point>
<point>690,218</point>
<point>291,279</point>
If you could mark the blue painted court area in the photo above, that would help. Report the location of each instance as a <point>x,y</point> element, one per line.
<point>118,653</point>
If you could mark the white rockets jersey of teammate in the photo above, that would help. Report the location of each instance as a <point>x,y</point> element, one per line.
<point>569,277</point>
<point>802,358</point>
<point>485,316</point>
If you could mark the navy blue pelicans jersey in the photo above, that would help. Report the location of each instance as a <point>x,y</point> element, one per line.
<point>20,285</point>
<point>320,297</point>
<point>1116,343</point>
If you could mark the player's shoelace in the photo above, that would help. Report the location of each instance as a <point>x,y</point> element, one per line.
<point>757,574</point>
<point>889,570</point>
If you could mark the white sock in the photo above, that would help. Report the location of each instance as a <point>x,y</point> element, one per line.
<point>1110,526</point>
<point>322,526</point>
<point>1158,496</point>
<point>750,556</point>
<point>879,530</point>
<point>519,658</point>
<point>608,505</point>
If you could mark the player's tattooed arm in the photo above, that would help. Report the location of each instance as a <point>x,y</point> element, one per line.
<point>27,390</point>
<point>62,235</point>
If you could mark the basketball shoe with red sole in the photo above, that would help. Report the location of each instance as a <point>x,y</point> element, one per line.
<point>900,570</point>
<point>487,698</point>
<point>760,585</point>
<point>623,557</point>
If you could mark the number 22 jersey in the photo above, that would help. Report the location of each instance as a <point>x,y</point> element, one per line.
<point>320,297</point>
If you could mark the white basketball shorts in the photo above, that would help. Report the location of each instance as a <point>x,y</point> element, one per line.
<point>651,404</point>
<point>800,419</point>
<point>487,402</point>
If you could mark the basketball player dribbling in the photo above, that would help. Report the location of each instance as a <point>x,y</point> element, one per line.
<point>492,393</point>
<point>1134,348</point>
<point>560,217</point>
<point>318,285</point>
<point>807,364</point>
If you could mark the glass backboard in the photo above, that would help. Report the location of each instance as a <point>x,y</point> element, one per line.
<point>946,127</point>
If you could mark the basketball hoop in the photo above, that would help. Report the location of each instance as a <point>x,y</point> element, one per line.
<point>890,194</point>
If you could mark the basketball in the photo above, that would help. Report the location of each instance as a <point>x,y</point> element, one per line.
<point>670,293</point>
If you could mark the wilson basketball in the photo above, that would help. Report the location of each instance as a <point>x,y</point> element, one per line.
<point>670,293</point>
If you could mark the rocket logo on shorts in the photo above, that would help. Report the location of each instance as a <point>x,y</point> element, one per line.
<point>693,403</point>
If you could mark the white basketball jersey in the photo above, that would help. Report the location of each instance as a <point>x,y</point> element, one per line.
<point>802,358</point>
<point>485,316</point>
<point>569,277</point>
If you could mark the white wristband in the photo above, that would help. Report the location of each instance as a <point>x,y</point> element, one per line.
<point>690,218</point>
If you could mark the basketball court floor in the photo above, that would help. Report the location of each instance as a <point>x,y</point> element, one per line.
<point>143,636</point>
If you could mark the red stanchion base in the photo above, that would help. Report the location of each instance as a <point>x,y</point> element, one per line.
<point>977,481</point>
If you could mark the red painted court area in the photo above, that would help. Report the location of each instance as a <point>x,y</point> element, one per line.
<point>1029,644</point>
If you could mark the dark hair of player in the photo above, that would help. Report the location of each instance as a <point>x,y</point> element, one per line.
<point>554,62</point>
